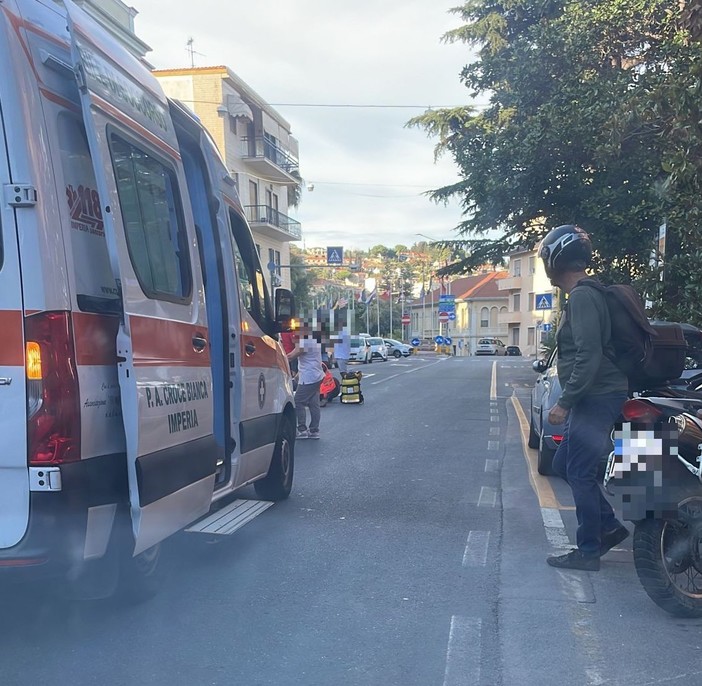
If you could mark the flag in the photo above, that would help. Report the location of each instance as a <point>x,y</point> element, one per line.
<point>362,295</point>
<point>385,295</point>
<point>370,297</point>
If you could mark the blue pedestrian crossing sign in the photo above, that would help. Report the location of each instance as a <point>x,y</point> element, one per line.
<point>544,301</point>
<point>335,255</point>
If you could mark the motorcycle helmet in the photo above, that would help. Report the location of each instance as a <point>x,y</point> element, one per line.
<point>563,246</point>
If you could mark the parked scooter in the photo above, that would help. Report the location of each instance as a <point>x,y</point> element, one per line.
<point>655,473</point>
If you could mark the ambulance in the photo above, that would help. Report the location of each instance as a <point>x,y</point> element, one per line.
<point>141,377</point>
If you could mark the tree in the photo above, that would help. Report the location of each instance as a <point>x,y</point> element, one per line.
<point>555,145</point>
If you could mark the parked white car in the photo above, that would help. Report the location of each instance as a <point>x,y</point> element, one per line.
<point>490,346</point>
<point>378,349</point>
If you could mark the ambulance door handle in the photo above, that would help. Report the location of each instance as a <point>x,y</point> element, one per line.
<point>199,342</point>
<point>250,348</point>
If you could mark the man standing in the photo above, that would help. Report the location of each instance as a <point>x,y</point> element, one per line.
<point>342,350</point>
<point>308,353</point>
<point>594,390</point>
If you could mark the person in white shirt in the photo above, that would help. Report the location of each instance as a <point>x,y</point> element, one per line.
<point>342,350</point>
<point>308,353</point>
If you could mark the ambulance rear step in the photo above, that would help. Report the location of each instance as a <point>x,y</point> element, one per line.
<point>230,518</point>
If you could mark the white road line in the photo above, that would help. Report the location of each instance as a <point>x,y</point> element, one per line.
<point>554,528</point>
<point>494,410</point>
<point>493,384</point>
<point>392,376</point>
<point>494,418</point>
<point>476,551</point>
<point>487,497</point>
<point>494,430</point>
<point>463,652</point>
<point>493,445</point>
<point>492,465</point>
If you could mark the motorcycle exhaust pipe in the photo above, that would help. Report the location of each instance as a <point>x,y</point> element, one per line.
<point>689,442</point>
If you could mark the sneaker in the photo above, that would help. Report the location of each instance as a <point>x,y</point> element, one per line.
<point>575,560</point>
<point>314,434</point>
<point>301,434</point>
<point>611,538</point>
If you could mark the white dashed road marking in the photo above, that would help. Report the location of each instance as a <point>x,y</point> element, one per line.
<point>488,496</point>
<point>475,554</point>
<point>463,652</point>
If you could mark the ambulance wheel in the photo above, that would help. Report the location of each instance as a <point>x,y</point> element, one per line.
<point>277,484</point>
<point>141,576</point>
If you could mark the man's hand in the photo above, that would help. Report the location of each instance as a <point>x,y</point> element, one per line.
<point>557,415</point>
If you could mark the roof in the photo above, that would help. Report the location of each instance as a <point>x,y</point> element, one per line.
<point>235,82</point>
<point>475,285</point>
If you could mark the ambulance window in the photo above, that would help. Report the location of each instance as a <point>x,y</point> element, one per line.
<point>153,222</point>
<point>252,285</point>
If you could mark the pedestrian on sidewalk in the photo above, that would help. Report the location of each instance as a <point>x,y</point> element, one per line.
<point>308,353</point>
<point>593,392</point>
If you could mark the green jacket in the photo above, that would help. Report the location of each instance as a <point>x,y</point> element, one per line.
<point>585,351</point>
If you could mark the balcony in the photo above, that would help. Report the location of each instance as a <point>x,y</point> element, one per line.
<point>270,159</point>
<point>511,283</point>
<point>507,318</point>
<point>274,224</point>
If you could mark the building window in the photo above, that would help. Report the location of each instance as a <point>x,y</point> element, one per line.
<point>493,317</point>
<point>484,318</point>
<point>532,304</point>
<point>232,125</point>
<point>515,335</point>
<point>531,335</point>
<point>532,264</point>
<point>517,268</point>
<point>253,193</point>
<point>277,262</point>
<point>517,302</point>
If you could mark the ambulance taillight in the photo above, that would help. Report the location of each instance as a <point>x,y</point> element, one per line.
<point>53,407</point>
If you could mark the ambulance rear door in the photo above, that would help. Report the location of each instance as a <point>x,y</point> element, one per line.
<point>163,344</point>
<point>14,478</point>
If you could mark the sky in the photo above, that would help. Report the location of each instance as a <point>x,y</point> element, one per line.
<point>369,172</point>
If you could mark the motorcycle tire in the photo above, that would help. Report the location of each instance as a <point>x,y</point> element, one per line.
<point>654,542</point>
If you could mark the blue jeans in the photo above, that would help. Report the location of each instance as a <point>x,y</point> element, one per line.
<point>585,440</point>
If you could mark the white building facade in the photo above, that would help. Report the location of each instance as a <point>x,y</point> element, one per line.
<point>529,291</point>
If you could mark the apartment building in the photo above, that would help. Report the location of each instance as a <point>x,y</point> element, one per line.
<point>257,146</point>
<point>527,281</point>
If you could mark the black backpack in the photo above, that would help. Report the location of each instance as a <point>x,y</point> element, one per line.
<point>649,354</point>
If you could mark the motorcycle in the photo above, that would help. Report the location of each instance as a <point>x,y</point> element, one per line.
<point>655,474</point>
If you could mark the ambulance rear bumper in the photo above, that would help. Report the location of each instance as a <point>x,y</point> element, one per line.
<point>54,542</point>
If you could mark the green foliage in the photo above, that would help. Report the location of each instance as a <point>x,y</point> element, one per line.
<point>594,118</point>
<point>301,280</point>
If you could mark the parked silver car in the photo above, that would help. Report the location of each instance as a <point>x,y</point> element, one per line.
<point>397,349</point>
<point>543,435</point>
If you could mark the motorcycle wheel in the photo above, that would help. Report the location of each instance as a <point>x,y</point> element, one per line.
<point>668,561</point>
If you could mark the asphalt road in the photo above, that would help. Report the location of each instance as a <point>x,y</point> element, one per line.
<point>410,552</point>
